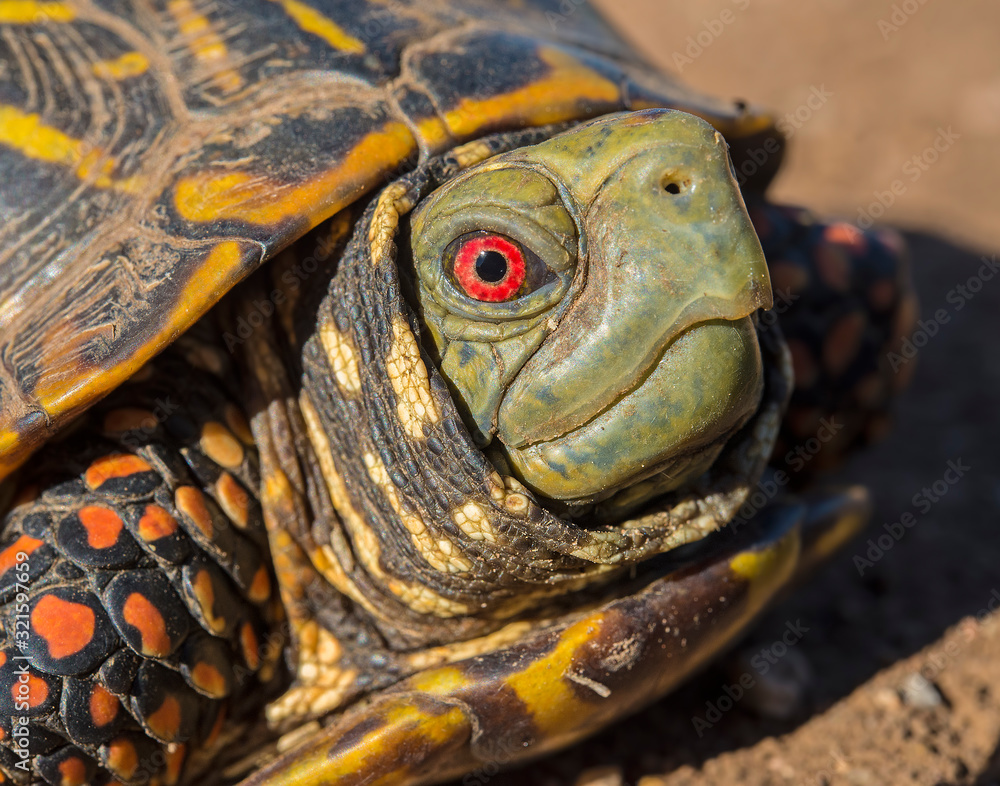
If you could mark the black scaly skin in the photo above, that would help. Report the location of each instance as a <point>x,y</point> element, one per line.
<point>228,650</point>
<point>844,301</point>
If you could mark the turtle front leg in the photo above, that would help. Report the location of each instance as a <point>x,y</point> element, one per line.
<point>140,627</point>
<point>569,679</point>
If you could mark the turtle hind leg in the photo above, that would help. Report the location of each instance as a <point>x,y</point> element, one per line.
<point>845,302</point>
<point>136,597</point>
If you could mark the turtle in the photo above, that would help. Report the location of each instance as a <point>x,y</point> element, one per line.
<point>394,389</point>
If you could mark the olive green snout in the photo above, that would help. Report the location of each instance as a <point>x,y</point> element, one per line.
<point>670,246</point>
<point>635,356</point>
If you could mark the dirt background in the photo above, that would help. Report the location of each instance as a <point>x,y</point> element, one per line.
<point>921,609</point>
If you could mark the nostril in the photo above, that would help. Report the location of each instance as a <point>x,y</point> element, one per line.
<point>674,185</point>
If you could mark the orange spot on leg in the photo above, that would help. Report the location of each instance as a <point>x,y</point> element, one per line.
<point>146,618</point>
<point>260,589</point>
<point>233,499</point>
<point>165,723</point>
<point>209,679</point>
<point>204,591</point>
<point>104,706</point>
<point>73,772</point>
<point>237,423</point>
<point>119,465</point>
<point>191,502</point>
<point>175,762</point>
<point>102,524</point>
<point>64,626</point>
<point>156,523</point>
<point>215,733</point>
<point>219,444</point>
<point>122,758</point>
<point>251,647</point>
<point>37,692</point>
<point>8,557</point>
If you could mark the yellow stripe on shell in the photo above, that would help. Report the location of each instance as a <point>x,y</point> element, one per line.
<point>751,122</point>
<point>205,44</point>
<point>544,685</point>
<point>63,394</point>
<point>27,12</point>
<point>257,199</point>
<point>312,21</point>
<point>550,99</point>
<point>128,65</point>
<point>26,133</point>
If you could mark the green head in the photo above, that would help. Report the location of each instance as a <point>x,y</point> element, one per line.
<point>594,319</point>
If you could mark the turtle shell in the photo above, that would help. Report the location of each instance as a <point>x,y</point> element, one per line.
<point>156,153</point>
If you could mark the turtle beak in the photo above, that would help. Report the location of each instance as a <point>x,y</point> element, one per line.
<point>657,361</point>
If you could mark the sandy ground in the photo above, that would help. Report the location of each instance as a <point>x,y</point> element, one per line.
<point>904,659</point>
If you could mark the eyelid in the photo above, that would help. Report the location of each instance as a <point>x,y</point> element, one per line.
<point>558,252</point>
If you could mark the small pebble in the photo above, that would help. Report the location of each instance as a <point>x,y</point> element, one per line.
<point>781,767</point>
<point>780,692</point>
<point>887,699</point>
<point>862,777</point>
<point>918,691</point>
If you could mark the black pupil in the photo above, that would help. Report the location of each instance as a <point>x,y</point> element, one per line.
<point>491,266</point>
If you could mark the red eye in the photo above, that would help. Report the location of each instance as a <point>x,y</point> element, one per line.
<point>490,268</point>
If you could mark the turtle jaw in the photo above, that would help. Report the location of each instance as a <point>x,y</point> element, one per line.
<point>673,422</point>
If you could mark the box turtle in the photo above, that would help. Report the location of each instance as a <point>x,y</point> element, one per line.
<point>391,389</point>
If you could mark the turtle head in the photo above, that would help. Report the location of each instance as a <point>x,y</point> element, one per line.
<point>590,301</point>
<point>585,302</point>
